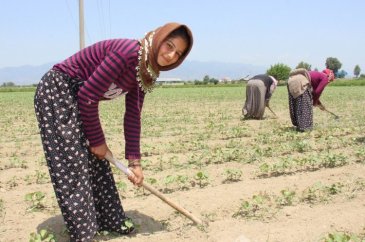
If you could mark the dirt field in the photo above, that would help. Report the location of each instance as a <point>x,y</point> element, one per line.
<point>248,180</point>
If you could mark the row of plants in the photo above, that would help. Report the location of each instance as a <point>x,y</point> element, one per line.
<point>266,206</point>
<point>289,165</point>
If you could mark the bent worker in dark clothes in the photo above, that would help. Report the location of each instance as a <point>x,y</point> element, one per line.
<point>259,90</point>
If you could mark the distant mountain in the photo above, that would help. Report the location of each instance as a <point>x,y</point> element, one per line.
<point>196,70</point>
<point>24,75</point>
<point>189,70</point>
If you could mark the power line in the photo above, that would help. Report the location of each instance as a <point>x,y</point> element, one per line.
<point>74,21</point>
<point>110,21</point>
<point>100,8</point>
<point>70,12</point>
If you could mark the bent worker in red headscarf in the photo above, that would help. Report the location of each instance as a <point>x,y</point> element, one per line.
<point>305,88</point>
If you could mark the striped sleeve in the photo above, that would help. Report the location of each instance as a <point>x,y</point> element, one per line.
<point>91,92</point>
<point>132,123</point>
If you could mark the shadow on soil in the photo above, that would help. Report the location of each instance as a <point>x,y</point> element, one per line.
<point>145,225</point>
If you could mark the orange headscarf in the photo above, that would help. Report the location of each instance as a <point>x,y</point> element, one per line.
<point>148,70</point>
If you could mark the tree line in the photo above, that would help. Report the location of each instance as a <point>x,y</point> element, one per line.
<point>281,71</point>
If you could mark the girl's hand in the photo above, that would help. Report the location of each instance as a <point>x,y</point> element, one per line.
<point>137,177</point>
<point>100,151</point>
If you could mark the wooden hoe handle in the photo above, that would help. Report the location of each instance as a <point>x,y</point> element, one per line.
<point>155,192</point>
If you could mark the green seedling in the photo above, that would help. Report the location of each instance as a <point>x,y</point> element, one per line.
<point>168,181</point>
<point>342,237</point>
<point>182,181</point>
<point>334,188</point>
<point>302,146</point>
<point>122,186</point>
<point>16,162</point>
<point>146,164</point>
<point>360,154</point>
<point>286,198</point>
<point>128,224</point>
<point>36,199</point>
<point>202,178</point>
<point>232,175</point>
<point>39,178</point>
<point>264,168</point>
<point>333,160</point>
<point>260,206</point>
<point>151,180</point>
<point>320,193</point>
<point>42,236</point>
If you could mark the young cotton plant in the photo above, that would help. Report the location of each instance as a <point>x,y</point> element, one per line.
<point>202,178</point>
<point>42,236</point>
<point>36,199</point>
<point>232,175</point>
<point>259,206</point>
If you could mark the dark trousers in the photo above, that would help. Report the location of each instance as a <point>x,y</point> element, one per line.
<point>84,186</point>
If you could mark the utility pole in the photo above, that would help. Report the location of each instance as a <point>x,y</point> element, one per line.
<point>81,24</point>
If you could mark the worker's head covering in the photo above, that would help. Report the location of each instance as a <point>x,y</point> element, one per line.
<point>148,69</point>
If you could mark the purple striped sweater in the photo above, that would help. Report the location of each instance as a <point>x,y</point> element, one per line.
<point>108,70</point>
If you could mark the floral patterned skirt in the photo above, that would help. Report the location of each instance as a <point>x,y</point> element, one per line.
<point>84,185</point>
<point>301,110</point>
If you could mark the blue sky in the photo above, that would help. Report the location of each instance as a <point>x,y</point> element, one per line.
<point>258,32</point>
